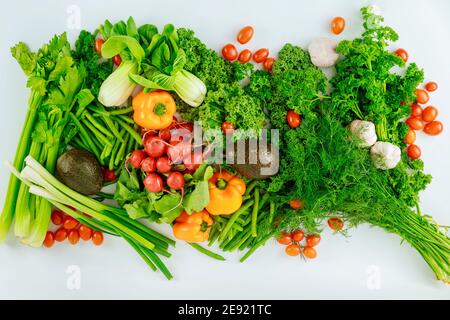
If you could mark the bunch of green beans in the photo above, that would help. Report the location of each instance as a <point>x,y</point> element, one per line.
<point>248,228</point>
<point>110,135</point>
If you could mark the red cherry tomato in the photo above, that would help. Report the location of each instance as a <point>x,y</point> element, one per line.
<point>415,123</point>
<point>413,152</point>
<point>70,223</point>
<point>335,224</point>
<point>109,175</point>
<point>49,240</point>
<point>153,183</point>
<point>431,86</point>
<point>163,165</point>
<point>293,250</point>
<point>402,54</point>
<point>136,158</point>
<point>227,127</point>
<point>297,235</point>
<point>310,252</point>
<point>245,56</point>
<point>148,165</point>
<point>57,217</point>
<point>293,119</point>
<point>61,234</point>
<point>117,60</point>
<point>97,238</point>
<point>268,64</point>
<point>422,96</point>
<point>313,240</point>
<point>337,25</point>
<point>261,55</point>
<point>416,110</point>
<point>229,52</point>
<point>85,232</point>
<point>284,239</point>
<point>410,136</point>
<point>433,128</point>
<point>245,35</point>
<point>73,237</point>
<point>297,204</point>
<point>98,44</point>
<point>175,180</point>
<point>429,114</point>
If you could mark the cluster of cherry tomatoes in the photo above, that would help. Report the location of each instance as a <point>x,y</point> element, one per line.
<point>230,53</point>
<point>293,240</point>
<point>70,229</point>
<point>168,154</point>
<point>421,118</point>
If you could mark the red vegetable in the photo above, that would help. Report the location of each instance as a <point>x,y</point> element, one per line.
<point>284,239</point>
<point>163,165</point>
<point>117,60</point>
<point>70,223</point>
<point>164,134</point>
<point>175,180</point>
<point>337,25</point>
<point>433,128</point>
<point>73,237</point>
<point>153,183</point>
<point>57,217</point>
<point>268,64</point>
<point>261,55</point>
<point>416,110</point>
<point>109,175</point>
<point>61,234</point>
<point>297,235</point>
<point>429,114</point>
<point>148,165</point>
<point>413,152</point>
<point>431,86</point>
<point>336,224</point>
<point>227,127</point>
<point>415,123</point>
<point>422,96</point>
<point>313,240</point>
<point>293,119</point>
<point>193,160</point>
<point>154,146</point>
<point>97,238</point>
<point>229,52</point>
<point>49,240</point>
<point>136,158</point>
<point>245,56</point>
<point>98,45</point>
<point>245,35</point>
<point>85,232</point>
<point>402,54</point>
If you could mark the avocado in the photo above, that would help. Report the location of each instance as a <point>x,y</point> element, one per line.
<point>80,171</point>
<point>260,160</point>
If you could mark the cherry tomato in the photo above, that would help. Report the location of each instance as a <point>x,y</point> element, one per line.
<point>284,239</point>
<point>410,136</point>
<point>313,240</point>
<point>416,110</point>
<point>117,60</point>
<point>261,55</point>
<point>70,223</point>
<point>337,25</point>
<point>61,234</point>
<point>227,127</point>
<point>310,252</point>
<point>431,86</point>
<point>164,134</point>
<point>293,119</point>
<point>297,235</point>
<point>297,204</point>
<point>245,56</point>
<point>229,52</point>
<point>245,35</point>
<point>97,238</point>
<point>98,45</point>
<point>293,250</point>
<point>268,64</point>
<point>163,165</point>
<point>109,175</point>
<point>148,165</point>
<point>153,183</point>
<point>73,237</point>
<point>154,146</point>
<point>175,180</point>
<point>136,158</point>
<point>415,123</point>
<point>429,114</point>
<point>433,128</point>
<point>57,217</point>
<point>85,232</point>
<point>49,240</point>
<point>422,96</point>
<point>336,224</point>
<point>413,152</point>
<point>402,54</point>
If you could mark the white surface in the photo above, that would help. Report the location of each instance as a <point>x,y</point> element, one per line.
<point>344,266</point>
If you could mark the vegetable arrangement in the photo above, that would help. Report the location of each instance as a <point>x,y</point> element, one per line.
<point>128,105</point>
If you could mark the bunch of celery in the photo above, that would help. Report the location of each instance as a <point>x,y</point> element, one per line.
<point>55,84</point>
<point>147,242</point>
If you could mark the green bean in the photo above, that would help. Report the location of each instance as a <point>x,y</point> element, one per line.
<point>136,136</point>
<point>121,111</point>
<point>96,132</point>
<point>114,151</point>
<point>233,219</point>
<point>85,136</point>
<point>98,125</point>
<point>271,211</point>
<point>112,127</point>
<point>126,119</point>
<point>255,213</point>
<point>207,252</point>
<point>121,153</point>
<point>250,187</point>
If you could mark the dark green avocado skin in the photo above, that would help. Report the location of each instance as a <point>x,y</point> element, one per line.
<point>80,171</point>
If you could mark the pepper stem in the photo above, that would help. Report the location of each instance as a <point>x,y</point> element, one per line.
<point>160,109</point>
<point>204,226</point>
<point>221,184</point>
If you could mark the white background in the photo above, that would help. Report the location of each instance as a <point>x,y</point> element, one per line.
<point>344,266</point>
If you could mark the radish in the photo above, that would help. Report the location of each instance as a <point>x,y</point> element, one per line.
<point>178,151</point>
<point>148,165</point>
<point>163,165</point>
<point>136,158</point>
<point>154,146</point>
<point>153,183</point>
<point>175,180</point>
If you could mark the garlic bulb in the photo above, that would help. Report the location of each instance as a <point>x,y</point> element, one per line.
<point>364,130</point>
<point>385,155</point>
<point>323,52</point>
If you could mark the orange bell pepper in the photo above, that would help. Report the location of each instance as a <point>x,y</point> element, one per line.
<point>154,110</point>
<point>193,227</point>
<point>225,193</point>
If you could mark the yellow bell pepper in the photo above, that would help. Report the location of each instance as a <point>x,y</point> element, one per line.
<point>154,110</point>
<point>225,193</point>
<point>193,227</point>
